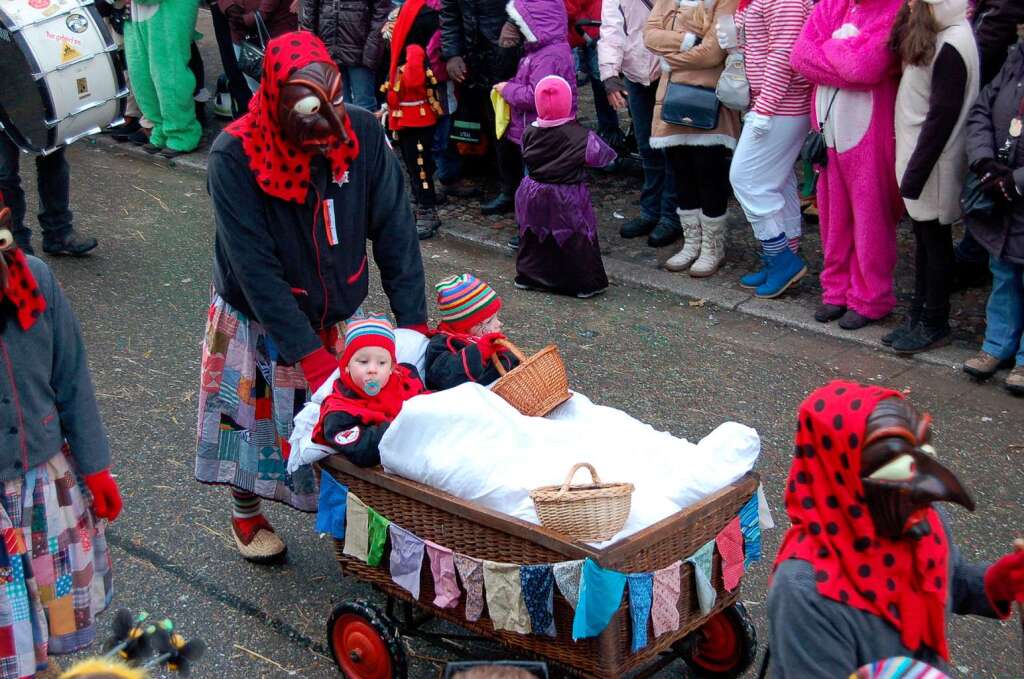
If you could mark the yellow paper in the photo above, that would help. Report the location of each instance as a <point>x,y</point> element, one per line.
<point>502,113</point>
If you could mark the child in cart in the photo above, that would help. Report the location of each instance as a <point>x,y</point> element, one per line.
<point>368,394</point>
<point>468,336</point>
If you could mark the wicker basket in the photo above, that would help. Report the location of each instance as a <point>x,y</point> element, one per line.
<point>537,385</point>
<point>594,512</point>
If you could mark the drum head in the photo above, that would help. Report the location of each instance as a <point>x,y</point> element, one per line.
<point>24,102</point>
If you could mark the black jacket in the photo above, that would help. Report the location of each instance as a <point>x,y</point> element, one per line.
<point>450,362</point>
<point>988,126</point>
<point>347,434</point>
<point>470,29</point>
<point>272,261</point>
<point>349,28</point>
<point>995,28</point>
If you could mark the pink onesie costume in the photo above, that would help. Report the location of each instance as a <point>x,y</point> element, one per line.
<point>843,52</point>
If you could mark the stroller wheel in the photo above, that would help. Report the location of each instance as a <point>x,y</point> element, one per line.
<point>723,647</point>
<point>365,643</point>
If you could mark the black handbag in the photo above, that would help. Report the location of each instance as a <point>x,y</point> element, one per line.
<point>814,150</point>
<point>690,106</point>
<point>252,49</point>
<point>973,201</point>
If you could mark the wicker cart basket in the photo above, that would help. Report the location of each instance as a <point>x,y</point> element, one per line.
<point>537,385</point>
<point>593,512</point>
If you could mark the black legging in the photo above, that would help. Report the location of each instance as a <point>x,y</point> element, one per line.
<point>933,269</point>
<point>702,178</point>
<point>237,85</point>
<point>407,140</point>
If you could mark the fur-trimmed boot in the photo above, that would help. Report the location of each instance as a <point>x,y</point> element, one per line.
<point>712,246</point>
<point>690,221</point>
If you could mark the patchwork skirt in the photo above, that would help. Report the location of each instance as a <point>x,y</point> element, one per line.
<point>55,571</point>
<point>247,401</point>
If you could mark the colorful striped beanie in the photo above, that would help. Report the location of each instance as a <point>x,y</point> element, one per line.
<point>372,331</point>
<point>465,300</point>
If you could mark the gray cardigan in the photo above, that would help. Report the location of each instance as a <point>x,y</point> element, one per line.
<point>46,393</point>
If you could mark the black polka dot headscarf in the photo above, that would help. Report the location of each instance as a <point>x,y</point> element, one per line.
<point>902,581</point>
<point>281,169</point>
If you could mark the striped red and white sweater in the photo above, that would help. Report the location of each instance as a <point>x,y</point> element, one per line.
<point>768,29</point>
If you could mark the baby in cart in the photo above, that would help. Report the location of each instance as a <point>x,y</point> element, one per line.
<point>468,335</point>
<point>368,394</point>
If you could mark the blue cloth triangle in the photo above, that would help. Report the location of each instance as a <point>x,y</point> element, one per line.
<point>641,591</point>
<point>600,596</point>
<point>750,525</point>
<point>330,515</point>
<point>538,583</point>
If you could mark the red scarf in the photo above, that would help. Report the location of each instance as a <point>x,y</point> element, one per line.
<point>904,582</point>
<point>281,169</point>
<point>22,289</point>
<point>371,410</point>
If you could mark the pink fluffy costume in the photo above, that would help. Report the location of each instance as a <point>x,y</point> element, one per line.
<point>843,51</point>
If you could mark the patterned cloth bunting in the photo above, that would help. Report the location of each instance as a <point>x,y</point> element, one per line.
<point>442,568</point>
<point>378,535</point>
<point>750,525</point>
<point>406,559</point>
<point>764,512</point>
<point>600,596</point>
<point>730,546</point>
<point>356,536</point>
<point>567,577</point>
<point>330,513</point>
<point>504,592</point>
<point>665,606</point>
<point>641,590</point>
<point>538,584</point>
<point>701,561</point>
<point>472,573</point>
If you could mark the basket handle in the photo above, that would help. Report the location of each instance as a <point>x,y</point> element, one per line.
<point>594,478</point>
<point>512,348</point>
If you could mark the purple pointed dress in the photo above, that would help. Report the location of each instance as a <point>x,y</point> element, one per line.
<point>558,248</point>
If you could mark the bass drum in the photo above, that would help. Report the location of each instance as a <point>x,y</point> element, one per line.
<point>62,77</point>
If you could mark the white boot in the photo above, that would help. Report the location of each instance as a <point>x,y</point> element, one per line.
<point>690,221</point>
<point>712,246</point>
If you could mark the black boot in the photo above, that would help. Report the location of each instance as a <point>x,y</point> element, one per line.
<point>502,204</point>
<point>826,313</point>
<point>926,334</point>
<point>636,227</point>
<point>666,232</point>
<point>74,244</point>
<point>912,318</point>
<point>427,222</point>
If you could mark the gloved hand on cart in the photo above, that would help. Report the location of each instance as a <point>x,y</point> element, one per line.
<point>1004,582</point>
<point>489,345</point>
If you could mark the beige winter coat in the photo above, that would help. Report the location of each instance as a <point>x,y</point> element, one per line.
<point>702,64</point>
<point>940,198</point>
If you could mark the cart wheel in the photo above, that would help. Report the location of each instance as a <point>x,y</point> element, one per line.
<point>723,647</point>
<point>365,643</point>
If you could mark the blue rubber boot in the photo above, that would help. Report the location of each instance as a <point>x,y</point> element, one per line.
<point>783,270</point>
<point>757,278</point>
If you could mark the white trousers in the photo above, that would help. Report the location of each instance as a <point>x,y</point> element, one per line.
<point>763,177</point>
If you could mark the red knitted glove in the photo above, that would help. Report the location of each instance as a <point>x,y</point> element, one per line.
<point>317,367</point>
<point>106,498</point>
<point>1004,582</point>
<point>488,346</point>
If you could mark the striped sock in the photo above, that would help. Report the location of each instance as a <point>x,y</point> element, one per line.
<point>245,505</point>
<point>794,245</point>
<point>774,246</point>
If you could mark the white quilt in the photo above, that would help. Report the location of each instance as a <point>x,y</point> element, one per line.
<point>470,443</point>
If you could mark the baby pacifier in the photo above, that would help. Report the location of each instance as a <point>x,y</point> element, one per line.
<point>372,387</point>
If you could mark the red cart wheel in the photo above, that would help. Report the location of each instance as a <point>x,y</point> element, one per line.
<point>723,647</point>
<point>364,643</point>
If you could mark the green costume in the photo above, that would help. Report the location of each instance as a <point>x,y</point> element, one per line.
<point>157,43</point>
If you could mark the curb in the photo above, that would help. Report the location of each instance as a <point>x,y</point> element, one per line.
<point>632,275</point>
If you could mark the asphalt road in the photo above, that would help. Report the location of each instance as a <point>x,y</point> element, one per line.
<point>142,298</point>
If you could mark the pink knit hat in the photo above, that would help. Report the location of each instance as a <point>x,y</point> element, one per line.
<point>553,98</point>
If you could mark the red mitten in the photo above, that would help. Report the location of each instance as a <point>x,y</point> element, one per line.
<point>106,498</point>
<point>488,346</point>
<point>1004,582</point>
<point>317,367</point>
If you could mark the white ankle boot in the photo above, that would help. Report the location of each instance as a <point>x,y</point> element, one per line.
<point>690,221</point>
<point>712,246</point>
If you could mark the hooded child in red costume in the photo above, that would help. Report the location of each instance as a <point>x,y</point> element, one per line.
<point>868,569</point>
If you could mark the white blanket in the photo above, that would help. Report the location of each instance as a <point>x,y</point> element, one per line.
<point>470,443</point>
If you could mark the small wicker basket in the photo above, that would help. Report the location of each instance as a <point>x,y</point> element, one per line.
<point>595,511</point>
<point>537,385</point>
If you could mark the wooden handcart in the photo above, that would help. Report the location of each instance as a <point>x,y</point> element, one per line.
<point>365,641</point>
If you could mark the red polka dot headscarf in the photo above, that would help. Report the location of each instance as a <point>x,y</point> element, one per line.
<point>282,169</point>
<point>901,581</point>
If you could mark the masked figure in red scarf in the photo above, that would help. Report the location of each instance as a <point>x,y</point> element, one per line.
<point>55,483</point>
<point>299,185</point>
<point>868,569</point>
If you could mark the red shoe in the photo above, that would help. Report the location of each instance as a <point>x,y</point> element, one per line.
<point>257,541</point>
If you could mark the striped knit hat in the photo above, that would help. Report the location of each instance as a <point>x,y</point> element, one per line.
<point>466,300</point>
<point>372,331</point>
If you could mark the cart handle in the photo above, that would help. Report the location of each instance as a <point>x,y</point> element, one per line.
<point>513,349</point>
<point>594,478</point>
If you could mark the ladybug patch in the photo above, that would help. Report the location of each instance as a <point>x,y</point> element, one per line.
<point>347,437</point>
